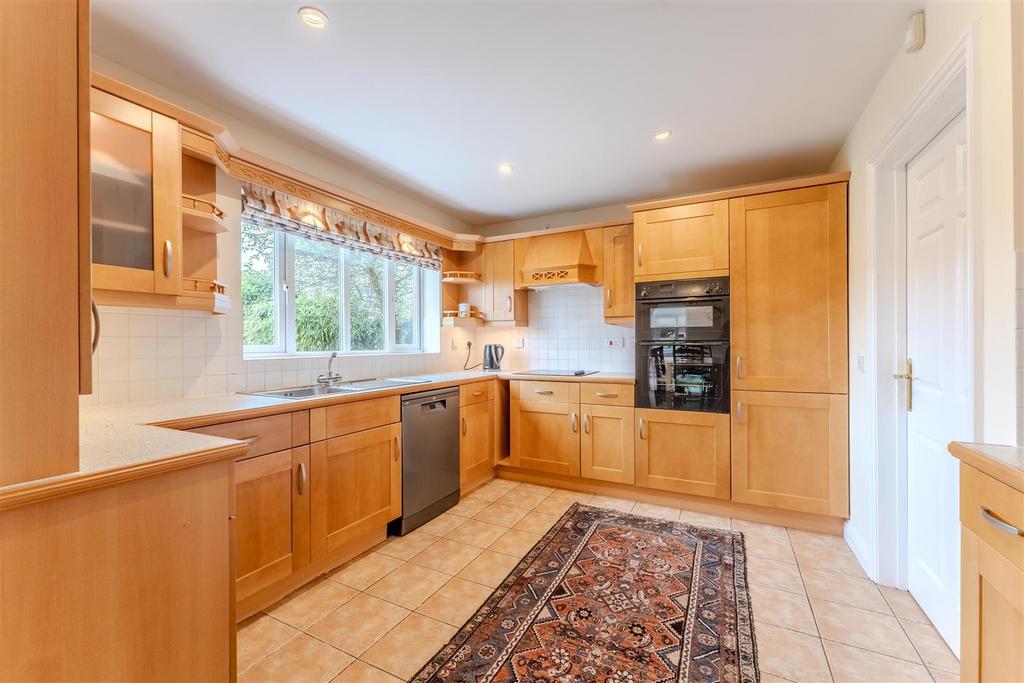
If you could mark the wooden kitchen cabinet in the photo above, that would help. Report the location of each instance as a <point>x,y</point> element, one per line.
<point>683,451</point>
<point>606,444</point>
<point>544,426</point>
<point>272,502</point>
<point>352,491</point>
<point>679,242</point>
<point>618,274</point>
<point>789,290</point>
<point>476,443</point>
<point>502,302</point>
<point>791,451</point>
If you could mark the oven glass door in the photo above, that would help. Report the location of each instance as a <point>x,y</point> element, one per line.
<point>683,376</point>
<point>705,319</point>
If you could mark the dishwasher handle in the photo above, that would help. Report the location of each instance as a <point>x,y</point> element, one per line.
<point>438,406</point>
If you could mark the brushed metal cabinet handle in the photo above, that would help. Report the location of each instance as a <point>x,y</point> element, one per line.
<point>303,478</point>
<point>986,514</point>
<point>643,428</point>
<point>603,394</point>
<point>586,423</point>
<point>168,258</point>
<point>740,366</point>
<point>463,426</point>
<point>508,303</point>
<point>251,440</point>
<point>96,327</point>
<point>478,393</point>
<point>608,297</point>
<point>640,254</point>
<point>573,422</point>
<point>398,447</point>
<point>543,392</point>
<point>741,413</point>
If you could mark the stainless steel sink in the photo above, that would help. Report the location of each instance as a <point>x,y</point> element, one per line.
<point>346,388</point>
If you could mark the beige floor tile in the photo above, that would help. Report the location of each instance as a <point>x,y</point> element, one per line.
<point>475,532</point>
<point>555,506</point>
<point>468,507</point>
<point>363,571</point>
<point>505,515</point>
<point>409,645</point>
<point>774,574</point>
<point>301,660</point>
<point>361,672</point>
<point>854,665</point>
<point>835,558</point>
<point>520,498</point>
<point>536,488</point>
<point>903,605</point>
<point>492,490</point>
<point>358,624</point>
<point>656,511</point>
<point>758,529</point>
<point>489,569</point>
<point>514,542</point>
<point>259,637</point>
<point>704,519</point>
<point>575,496</point>
<point>823,541</point>
<point>862,628</point>
<point>845,589</point>
<point>446,556</point>
<point>620,504</point>
<point>311,603</point>
<point>770,678</point>
<point>780,608</point>
<point>794,656</point>
<point>455,602</point>
<point>442,524</point>
<point>777,549</point>
<point>404,547</point>
<point>940,676</point>
<point>409,585</point>
<point>930,645</point>
<point>537,522</point>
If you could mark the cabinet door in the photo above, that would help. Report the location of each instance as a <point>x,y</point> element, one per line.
<point>791,451</point>
<point>503,303</point>
<point>682,451</point>
<point>789,290</point>
<point>991,613</point>
<point>476,442</point>
<point>618,271</point>
<point>545,436</point>
<point>606,445</point>
<point>682,241</point>
<point>136,197</point>
<point>272,497</point>
<point>352,493</point>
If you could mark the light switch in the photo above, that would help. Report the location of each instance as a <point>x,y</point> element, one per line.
<point>860,362</point>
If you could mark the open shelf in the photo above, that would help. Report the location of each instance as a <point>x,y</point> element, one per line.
<point>460,277</point>
<point>202,215</point>
<point>453,319</point>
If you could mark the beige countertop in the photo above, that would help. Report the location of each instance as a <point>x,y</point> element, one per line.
<point>132,440</point>
<point>1003,463</point>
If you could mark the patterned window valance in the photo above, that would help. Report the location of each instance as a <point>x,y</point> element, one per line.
<point>279,211</point>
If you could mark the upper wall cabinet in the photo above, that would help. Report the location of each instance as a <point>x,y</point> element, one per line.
<point>682,241</point>
<point>618,273</point>
<point>502,302</point>
<point>789,328</point>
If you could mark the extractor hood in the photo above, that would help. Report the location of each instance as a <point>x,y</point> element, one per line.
<point>564,258</point>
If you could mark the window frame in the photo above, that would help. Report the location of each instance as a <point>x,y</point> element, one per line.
<point>284,289</point>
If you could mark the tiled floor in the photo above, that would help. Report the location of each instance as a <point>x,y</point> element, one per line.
<point>380,617</point>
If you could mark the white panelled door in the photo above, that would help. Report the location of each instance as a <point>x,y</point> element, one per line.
<point>938,343</point>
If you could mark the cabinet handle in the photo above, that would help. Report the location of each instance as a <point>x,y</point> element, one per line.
<point>586,423</point>
<point>96,327</point>
<point>986,514</point>
<point>543,392</point>
<point>741,413</point>
<point>168,258</point>
<point>608,297</point>
<point>303,478</point>
<point>478,393</point>
<point>643,428</point>
<point>603,394</point>
<point>640,254</point>
<point>463,426</point>
<point>508,303</point>
<point>250,440</point>
<point>739,367</point>
<point>572,421</point>
<point>398,447</point>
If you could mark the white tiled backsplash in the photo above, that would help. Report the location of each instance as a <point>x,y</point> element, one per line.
<point>149,354</point>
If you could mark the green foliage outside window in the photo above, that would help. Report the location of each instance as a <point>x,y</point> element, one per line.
<point>259,309</point>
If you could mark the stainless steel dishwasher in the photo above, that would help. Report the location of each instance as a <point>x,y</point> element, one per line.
<point>430,457</point>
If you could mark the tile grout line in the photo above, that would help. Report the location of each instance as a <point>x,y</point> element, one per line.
<point>814,617</point>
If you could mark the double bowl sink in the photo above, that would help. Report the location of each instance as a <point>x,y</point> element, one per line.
<point>341,388</point>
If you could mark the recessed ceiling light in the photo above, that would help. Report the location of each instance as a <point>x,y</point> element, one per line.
<point>313,17</point>
<point>506,169</point>
<point>663,134</point>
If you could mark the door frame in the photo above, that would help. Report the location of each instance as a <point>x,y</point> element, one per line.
<point>879,544</point>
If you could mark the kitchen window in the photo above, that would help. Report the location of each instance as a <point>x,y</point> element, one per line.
<point>306,296</point>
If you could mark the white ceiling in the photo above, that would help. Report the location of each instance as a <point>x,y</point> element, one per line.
<point>432,96</point>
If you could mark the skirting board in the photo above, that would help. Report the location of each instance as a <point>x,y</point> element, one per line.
<point>797,520</point>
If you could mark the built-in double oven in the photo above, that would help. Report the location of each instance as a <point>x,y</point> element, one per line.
<point>682,345</point>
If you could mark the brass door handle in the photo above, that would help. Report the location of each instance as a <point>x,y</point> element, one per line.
<point>909,376</point>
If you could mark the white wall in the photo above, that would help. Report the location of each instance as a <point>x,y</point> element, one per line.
<point>946,24</point>
<point>598,214</point>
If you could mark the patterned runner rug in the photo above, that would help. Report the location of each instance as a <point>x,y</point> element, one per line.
<point>609,596</point>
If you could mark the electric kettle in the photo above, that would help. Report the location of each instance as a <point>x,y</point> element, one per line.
<point>493,354</point>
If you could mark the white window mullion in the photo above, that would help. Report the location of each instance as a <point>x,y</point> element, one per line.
<point>289,289</point>
<point>346,318</point>
<point>390,310</point>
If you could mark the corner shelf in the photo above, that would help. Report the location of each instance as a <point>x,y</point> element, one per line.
<point>460,277</point>
<point>202,215</point>
<point>453,319</point>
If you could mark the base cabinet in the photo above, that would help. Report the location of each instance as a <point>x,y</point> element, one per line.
<point>476,443</point>
<point>791,451</point>
<point>544,426</point>
<point>684,452</point>
<point>606,444</point>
